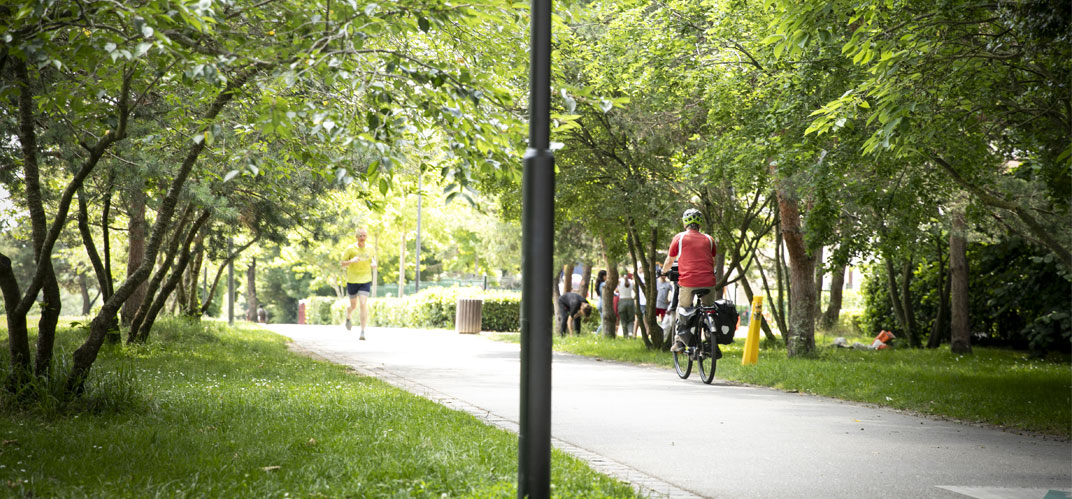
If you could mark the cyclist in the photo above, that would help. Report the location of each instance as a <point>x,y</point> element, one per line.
<point>695,255</point>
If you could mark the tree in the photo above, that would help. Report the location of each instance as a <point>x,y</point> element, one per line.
<point>833,309</point>
<point>958,271</point>
<point>975,90</point>
<point>87,74</point>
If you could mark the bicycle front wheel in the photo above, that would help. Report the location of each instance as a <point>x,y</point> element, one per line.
<point>682,364</point>
<point>707,359</point>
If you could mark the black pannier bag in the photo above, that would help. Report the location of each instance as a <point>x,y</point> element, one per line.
<point>724,321</point>
<point>686,320</point>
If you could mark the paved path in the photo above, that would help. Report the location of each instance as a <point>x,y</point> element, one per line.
<point>681,438</point>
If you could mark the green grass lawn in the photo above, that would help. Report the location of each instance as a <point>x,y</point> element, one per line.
<point>994,386</point>
<point>211,411</point>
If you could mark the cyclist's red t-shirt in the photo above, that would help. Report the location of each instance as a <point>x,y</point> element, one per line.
<point>696,264</point>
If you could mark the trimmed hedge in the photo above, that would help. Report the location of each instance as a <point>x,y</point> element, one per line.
<point>435,308</point>
<point>431,308</point>
<point>319,310</point>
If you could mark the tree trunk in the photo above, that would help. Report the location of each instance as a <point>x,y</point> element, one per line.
<point>86,354</point>
<point>775,309</point>
<point>833,309</point>
<point>43,236</point>
<point>50,316</point>
<point>173,280</point>
<point>18,335</point>
<point>219,273</point>
<point>764,326</point>
<point>83,288</point>
<point>645,258</point>
<point>193,302</point>
<point>158,277</point>
<point>801,340</point>
<point>567,278</point>
<point>960,324</point>
<point>632,243</point>
<point>109,285</point>
<point>609,316</point>
<point>819,273</point>
<point>909,306</point>
<point>91,247</point>
<point>901,299</point>
<point>938,328</point>
<point>650,294</point>
<point>50,309</point>
<point>782,292</point>
<point>18,308</point>
<point>251,291</point>
<point>895,294</point>
<point>180,295</point>
<point>136,254</point>
<point>586,277</point>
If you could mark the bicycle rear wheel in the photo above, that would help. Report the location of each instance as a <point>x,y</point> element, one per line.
<point>707,358</point>
<point>682,364</point>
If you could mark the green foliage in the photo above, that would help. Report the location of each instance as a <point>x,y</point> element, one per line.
<point>970,90</point>
<point>321,309</point>
<point>1017,297</point>
<point>1029,394</point>
<point>436,307</point>
<point>501,311</point>
<point>236,414</point>
<point>877,311</point>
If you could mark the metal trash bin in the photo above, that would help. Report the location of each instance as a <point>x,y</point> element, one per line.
<point>467,315</point>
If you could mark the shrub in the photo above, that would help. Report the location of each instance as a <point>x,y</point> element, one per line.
<point>338,310</point>
<point>849,324</point>
<point>502,311</point>
<point>319,310</point>
<point>436,308</point>
<point>1018,297</point>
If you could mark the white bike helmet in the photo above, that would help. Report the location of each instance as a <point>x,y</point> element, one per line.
<point>692,216</point>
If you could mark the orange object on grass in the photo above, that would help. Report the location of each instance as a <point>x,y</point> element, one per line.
<point>881,339</point>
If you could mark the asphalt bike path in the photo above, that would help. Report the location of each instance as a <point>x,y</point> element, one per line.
<point>681,438</point>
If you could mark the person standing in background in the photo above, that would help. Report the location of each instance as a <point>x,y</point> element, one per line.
<point>601,279</point>
<point>662,297</point>
<point>626,304</point>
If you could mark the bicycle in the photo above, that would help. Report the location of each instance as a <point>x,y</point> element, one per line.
<point>702,332</point>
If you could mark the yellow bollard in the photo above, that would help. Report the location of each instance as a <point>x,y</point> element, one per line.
<point>751,343</point>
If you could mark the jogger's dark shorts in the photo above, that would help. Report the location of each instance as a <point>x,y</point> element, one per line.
<point>358,288</point>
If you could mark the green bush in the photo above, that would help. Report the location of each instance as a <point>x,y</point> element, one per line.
<point>1017,297</point>
<point>338,311</point>
<point>435,308</point>
<point>502,311</point>
<point>320,310</point>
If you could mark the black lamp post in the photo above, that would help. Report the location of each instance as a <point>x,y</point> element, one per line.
<point>537,231</point>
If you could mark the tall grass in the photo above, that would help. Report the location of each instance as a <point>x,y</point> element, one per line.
<point>211,411</point>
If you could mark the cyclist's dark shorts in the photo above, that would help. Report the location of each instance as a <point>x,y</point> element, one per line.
<point>358,288</point>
